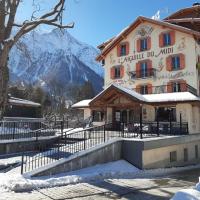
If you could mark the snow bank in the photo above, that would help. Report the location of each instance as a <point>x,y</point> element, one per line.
<point>118,169</point>
<point>16,182</point>
<point>187,194</point>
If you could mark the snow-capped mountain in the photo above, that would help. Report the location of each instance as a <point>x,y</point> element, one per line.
<point>56,55</point>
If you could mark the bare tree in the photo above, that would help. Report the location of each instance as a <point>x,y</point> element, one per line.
<point>8,11</point>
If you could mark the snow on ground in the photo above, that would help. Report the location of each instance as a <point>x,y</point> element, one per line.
<point>13,181</point>
<point>188,194</point>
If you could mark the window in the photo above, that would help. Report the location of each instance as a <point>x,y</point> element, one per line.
<point>117,72</point>
<point>176,87</point>
<point>166,39</point>
<point>173,156</point>
<point>144,89</point>
<point>196,152</point>
<point>165,113</point>
<point>98,116</point>
<point>143,69</point>
<point>123,50</point>
<point>143,44</point>
<point>185,156</point>
<point>175,63</point>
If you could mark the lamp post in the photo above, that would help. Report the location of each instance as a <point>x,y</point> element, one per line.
<point>157,122</point>
<point>141,121</point>
<point>180,122</point>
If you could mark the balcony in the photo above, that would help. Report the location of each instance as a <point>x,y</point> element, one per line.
<point>170,88</point>
<point>143,74</point>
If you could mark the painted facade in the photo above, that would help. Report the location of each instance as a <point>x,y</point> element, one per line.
<point>184,44</point>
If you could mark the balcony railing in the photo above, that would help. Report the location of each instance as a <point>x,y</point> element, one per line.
<point>182,87</point>
<point>142,73</point>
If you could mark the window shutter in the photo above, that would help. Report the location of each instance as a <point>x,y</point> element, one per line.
<point>138,45</point>
<point>169,63</point>
<point>182,61</point>
<point>183,85</point>
<point>169,87</point>
<point>149,67</point>
<point>172,35</point>
<point>127,48</point>
<point>148,43</point>
<point>119,50</point>
<point>121,71</point>
<point>138,88</point>
<point>161,42</point>
<point>137,70</point>
<point>150,89</point>
<point>112,72</point>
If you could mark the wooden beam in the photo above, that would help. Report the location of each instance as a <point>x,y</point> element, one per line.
<point>183,20</point>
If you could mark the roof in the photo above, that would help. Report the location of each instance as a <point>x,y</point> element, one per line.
<point>82,104</point>
<point>104,44</point>
<point>138,21</point>
<point>128,91</point>
<point>23,102</point>
<point>182,11</point>
<point>171,97</point>
<point>148,99</point>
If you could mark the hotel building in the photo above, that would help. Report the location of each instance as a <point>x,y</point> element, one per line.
<point>152,74</point>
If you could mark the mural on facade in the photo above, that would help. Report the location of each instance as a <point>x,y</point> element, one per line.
<point>144,30</point>
<point>182,44</point>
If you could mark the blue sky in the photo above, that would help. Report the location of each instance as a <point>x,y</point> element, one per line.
<point>99,20</point>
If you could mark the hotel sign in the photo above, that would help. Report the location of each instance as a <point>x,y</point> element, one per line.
<point>145,55</point>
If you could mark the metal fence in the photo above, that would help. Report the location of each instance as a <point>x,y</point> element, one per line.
<point>72,142</point>
<point>11,130</point>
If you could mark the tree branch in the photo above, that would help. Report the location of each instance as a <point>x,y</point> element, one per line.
<point>50,18</point>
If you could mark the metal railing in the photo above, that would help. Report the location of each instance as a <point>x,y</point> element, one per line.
<point>143,73</point>
<point>72,142</point>
<point>182,87</point>
<point>11,130</point>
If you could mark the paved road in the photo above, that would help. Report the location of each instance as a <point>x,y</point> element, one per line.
<point>137,189</point>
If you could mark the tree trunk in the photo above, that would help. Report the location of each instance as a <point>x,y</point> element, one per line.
<point>4,78</point>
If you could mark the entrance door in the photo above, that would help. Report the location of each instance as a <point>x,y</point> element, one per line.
<point>117,116</point>
<point>124,116</point>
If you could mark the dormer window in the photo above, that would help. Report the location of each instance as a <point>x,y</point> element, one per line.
<point>123,49</point>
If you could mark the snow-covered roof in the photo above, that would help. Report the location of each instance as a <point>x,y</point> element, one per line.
<point>17,101</point>
<point>171,97</point>
<point>149,98</point>
<point>82,104</point>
